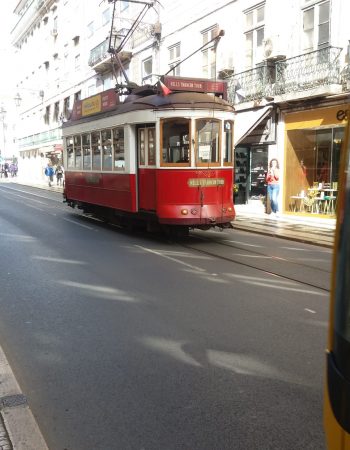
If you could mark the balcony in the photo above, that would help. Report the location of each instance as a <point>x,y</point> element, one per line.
<point>100,59</point>
<point>309,75</point>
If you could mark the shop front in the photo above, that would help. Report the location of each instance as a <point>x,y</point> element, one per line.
<point>313,141</point>
<point>255,134</point>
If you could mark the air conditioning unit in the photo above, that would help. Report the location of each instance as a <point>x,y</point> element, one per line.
<point>272,49</point>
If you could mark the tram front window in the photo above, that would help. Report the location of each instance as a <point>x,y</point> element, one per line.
<point>207,141</point>
<point>175,141</point>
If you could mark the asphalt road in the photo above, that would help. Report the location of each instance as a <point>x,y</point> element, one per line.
<point>130,341</point>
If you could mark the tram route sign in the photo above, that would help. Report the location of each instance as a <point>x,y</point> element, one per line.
<point>196,85</point>
<point>205,182</point>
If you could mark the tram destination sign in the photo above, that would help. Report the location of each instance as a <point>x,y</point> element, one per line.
<point>205,182</point>
<point>196,85</point>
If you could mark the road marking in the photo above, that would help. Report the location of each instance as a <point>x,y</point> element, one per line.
<point>155,252</point>
<point>58,260</point>
<point>242,243</point>
<point>310,310</point>
<point>79,224</point>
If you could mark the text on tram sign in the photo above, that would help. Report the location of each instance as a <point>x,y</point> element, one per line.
<point>195,182</point>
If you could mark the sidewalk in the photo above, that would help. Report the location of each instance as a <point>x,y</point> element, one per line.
<point>317,231</point>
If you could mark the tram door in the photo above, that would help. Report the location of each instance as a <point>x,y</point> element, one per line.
<point>146,149</point>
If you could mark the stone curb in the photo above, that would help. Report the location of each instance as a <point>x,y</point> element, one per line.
<point>18,428</point>
<point>306,238</point>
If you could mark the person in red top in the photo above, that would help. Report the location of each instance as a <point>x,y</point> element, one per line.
<point>273,187</point>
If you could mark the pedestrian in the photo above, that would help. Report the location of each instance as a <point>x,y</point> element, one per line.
<point>59,175</point>
<point>49,172</point>
<point>12,170</point>
<point>273,187</point>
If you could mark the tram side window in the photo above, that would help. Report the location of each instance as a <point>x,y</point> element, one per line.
<point>86,141</point>
<point>77,152</point>
<point>70,152</point>
<point>228,141</point>
<point>106,149</point>
<point>175,141</point>
<point>96,150</point>
<point>118,146</point>
<point>207,141</point>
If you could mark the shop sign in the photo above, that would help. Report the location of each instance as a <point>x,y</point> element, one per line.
<point>342,114</point>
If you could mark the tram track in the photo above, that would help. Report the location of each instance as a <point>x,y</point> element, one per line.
<point>278,273</point>
<point>254,252</point>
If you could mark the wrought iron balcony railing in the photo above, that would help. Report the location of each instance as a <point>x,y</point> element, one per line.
<point>292,75</point>
<point>99,53</point>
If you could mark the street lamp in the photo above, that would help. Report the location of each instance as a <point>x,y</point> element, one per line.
<point>18,98</point>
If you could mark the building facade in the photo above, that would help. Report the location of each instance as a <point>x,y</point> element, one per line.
<point>288,78</point>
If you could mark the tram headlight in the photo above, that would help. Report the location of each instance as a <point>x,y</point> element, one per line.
<point>229,209</point>
<point>184,212</point>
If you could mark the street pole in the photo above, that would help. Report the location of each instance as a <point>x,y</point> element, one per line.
<point>2,118</point>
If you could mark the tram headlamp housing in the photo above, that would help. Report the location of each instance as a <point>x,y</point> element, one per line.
<point>184,212</point>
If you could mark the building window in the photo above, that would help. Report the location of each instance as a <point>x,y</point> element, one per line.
<point>254,35</point>
<point>77,96</point>
<point>209,54</point>
<point>47,115</point>
<point>174,58</point>
<point>147,65</point>
<point>90,29</point>
<point>124,4</point>
<point>91,90</point>
<point>56,111</point>
<point>316,26</point>
<point>77,62</point>
<point>66,104</point>
<point>106,16</point>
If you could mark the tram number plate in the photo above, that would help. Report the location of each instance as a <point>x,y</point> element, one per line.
<point>195,182</point>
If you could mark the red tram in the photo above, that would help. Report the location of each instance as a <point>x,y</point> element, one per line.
<point>165,160</point>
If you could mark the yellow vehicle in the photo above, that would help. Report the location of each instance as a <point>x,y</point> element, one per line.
<point>337,386</point>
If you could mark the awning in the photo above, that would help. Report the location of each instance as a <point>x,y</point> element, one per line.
<point>245,122</point>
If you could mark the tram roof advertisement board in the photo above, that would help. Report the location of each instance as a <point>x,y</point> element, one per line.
<point>103,101</point>
<point>196,85</point>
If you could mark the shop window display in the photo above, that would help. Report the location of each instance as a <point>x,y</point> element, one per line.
<point>312,169</point>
